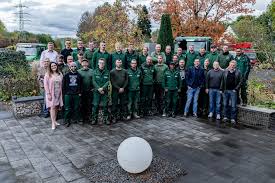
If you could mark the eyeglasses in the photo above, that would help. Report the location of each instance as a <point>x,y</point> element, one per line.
<point>73,66</point>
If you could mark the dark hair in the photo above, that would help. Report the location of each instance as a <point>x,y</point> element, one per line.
<point>85,60</point>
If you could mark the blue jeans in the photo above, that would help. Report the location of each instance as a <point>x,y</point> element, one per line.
<point>45,110</point>
<point>192,94</point>
<point>214,101</point>
<point>230,104</point>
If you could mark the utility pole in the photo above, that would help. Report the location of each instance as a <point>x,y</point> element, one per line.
<point>21,20</point>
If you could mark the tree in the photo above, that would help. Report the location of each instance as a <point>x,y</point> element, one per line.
<point>165,36</point>
<point>206,15</point>
<point>144,23</point>
<point>84,24</point>
<point>111,23</point>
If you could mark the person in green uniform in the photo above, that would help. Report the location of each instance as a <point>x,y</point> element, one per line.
<point>224,58</point>
<point>175,60</point>
<point>190,57</point>
<point>156,53</point>
<point>243,64</point>
<point>72,89</point>
<point>101,53</point>
<point>168,54</point>
<point>180,54</point>
<point>90,52</point>
<point>80,47</point>
<point>212,56</point>
<point>87,86</point>
<point>119,81</point>
<point>143,56</point>
<point>130,55</point>
<point>134,79</point>
<point>172,85</point>
<point>79,60</point>
<point>202,55</point>
<point>160,68</point>
<point>100,80</point>
<point>118,55</point>
<point>62,67</point>
<point>147,70</point>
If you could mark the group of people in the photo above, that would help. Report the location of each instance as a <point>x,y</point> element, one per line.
<point>86,79</point>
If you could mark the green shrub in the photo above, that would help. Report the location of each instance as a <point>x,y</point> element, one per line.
<point>259,94</point>
<point>16,78</point>
<point>11,61</point>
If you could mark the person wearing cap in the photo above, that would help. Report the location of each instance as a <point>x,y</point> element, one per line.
<point>147,70</point>
<point>100,93</point>
<point>80,58</point>
<point>224,57</point>
<point>40,76</point>
<point>101,53</point>
<point>72,89</point>
<point>90,52</point>
<point>130,55</point>
<point>80,48</point>
<point>119,81</point>
<point>190,56</point>
<point>62,67</point>
<point>87,87</point>
<point>212,56</point>
<point>67,51</point>
<point>156,53</point>
<point>195,80</point>
<point>171,84</point>
<point>134,79</point>
<point>160,68</point>
<point>118,55</point>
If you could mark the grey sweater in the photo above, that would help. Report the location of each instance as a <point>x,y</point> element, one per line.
<point>213,79</point>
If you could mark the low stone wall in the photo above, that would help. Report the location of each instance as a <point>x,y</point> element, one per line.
<point>256,117</point>
<point>27,106</point>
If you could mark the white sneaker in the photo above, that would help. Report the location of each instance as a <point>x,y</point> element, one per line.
<point>210,115</point>
<point>164,115</point>
<point>128,117</point>
<point>218,117</point>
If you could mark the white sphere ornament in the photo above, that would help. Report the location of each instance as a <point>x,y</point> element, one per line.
<point>134,155</point>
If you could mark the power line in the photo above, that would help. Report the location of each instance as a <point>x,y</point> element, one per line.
<point>21,18</point>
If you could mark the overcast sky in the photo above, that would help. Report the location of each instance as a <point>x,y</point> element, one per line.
<point>60,17</point>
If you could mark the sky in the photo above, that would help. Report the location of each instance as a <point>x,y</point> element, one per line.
<point>60,17</point>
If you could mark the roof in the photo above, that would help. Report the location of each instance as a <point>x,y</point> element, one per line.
<point>34,44</point>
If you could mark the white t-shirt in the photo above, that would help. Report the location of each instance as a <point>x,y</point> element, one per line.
<point>52,55</point>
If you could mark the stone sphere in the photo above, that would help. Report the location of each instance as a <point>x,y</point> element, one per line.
<point>134,155</point>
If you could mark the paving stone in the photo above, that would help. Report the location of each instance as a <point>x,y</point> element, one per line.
<point>4,164</point>
<point>7,176</point>
<point>69,172</point>
<point>82,180</point>
<point>27,178</point>
<point>15,154</point>
<point>46,170</point>
<point>22,167</point>
<point>10,144</point>
<point>58,179</point>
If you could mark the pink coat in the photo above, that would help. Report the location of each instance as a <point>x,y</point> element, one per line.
<point>53,87</point>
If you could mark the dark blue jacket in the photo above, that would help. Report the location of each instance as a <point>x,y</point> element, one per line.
<point>191,77</point>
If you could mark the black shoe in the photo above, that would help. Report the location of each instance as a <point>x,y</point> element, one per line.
<point>68,124</point>
<point>173,115</point>
<point>80,122</point>
<point>93,122</point>
<point>46,115</point>
<point>244,104</point>
<point>107,122</point>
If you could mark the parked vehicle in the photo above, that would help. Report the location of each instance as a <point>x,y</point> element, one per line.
<point>32,50</point>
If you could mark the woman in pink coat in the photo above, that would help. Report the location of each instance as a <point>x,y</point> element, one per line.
<point>53,89</point>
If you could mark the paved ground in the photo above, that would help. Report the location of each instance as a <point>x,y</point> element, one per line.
<point>31,152</point>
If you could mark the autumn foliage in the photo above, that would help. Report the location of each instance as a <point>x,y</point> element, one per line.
<point>199,17</point>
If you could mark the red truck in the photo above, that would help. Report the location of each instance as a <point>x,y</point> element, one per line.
<point>247,49</point>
